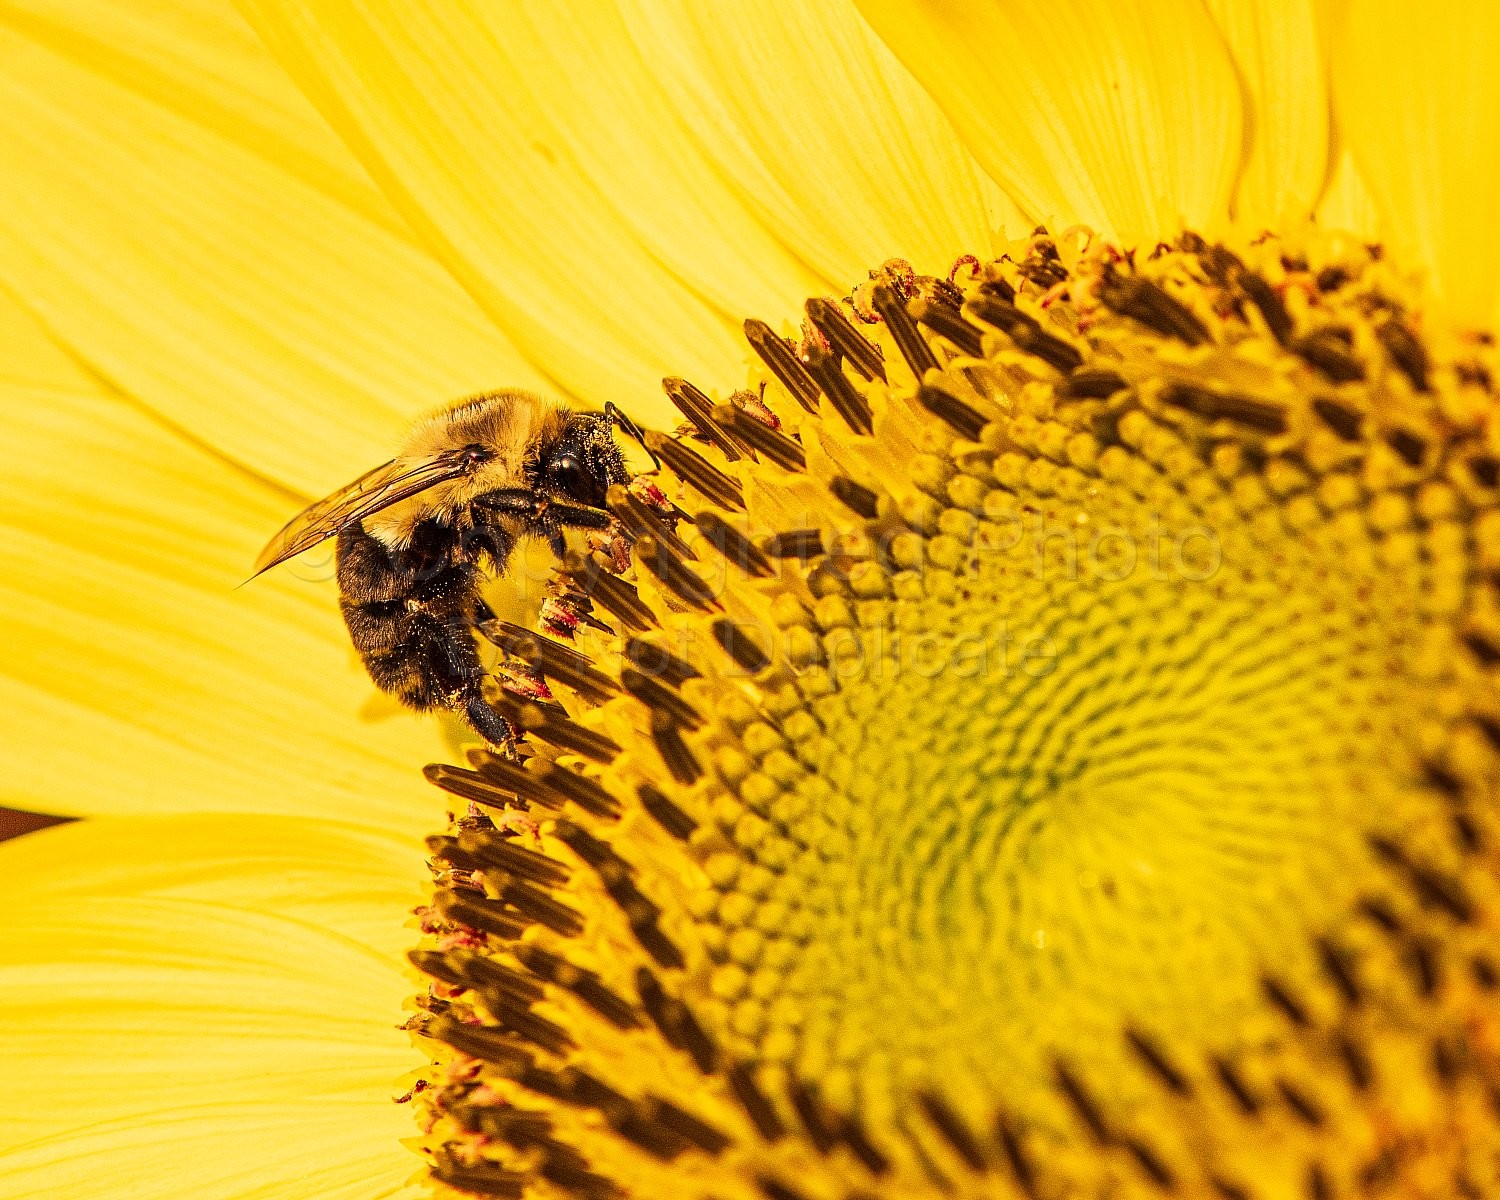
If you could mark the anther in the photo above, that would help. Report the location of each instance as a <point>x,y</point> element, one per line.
<point>471,786</point>
<point>447,850</point>
<point>825,367</point>
<point>1444,780</point>
<point>857,498</point>
<point>1336,966</point>
<point>804,544</point>
<point>774,1189</point>
<point>964,420</point>
<point>1486,470</point>
<point>1259,415</point>
<point>658,696</point>
<point>1407,352</point>
<point>1408,446</point>
<point>736,643</point>
<point>952,1127</point>
<point>1150,1164</point>
<point>506,775</point>
<point>755,1102</point>
<point>674,574</point>
<point>1245,1100</point>
<point>1486,651</point>
<point>913,346</point>
<point>482,1179</point>
<point>1305,1108</point>
<point>1282,998</point>
<point>782,363</point>
<point>948,323</point>
<point>536,904</point>
<point>1091,383</point>
<point>676,1023</point>
<point>1147,302</point>
<point>552,659</point>
<point>697,472</point>
<point>650,659</point>
<point>566,735</point>
<point>1356,1063</point>
<point>680,762</point>
<point>995,284</point>
<point>1345,422</point>
<point>586,985</point>
<point>1015,1155</point>
<point>696,1130</point>
<point>734,545</point>
<point>1027,333</point>
<point>1272,310</point>
<point>847,341</point>
<point>516,860</point>
<point>487,973</point>
<point>771,443</point>
<point>1433,889</point>
<point>1328,351</point>
<point>1156,1060</point>
<point>665,813</point>
<point>1083,1105</point>
<point>436,964</point>
<point>853,1135</point>
<point>611,593</point>
<point>816,1120</point>
<point>640,521</point>
<point>698,409</point>
<point>481,913</point>
<point>587,793</point>
<point>484,1042</point>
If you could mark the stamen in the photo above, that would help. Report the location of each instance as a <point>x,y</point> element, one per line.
<point>698,409</point>
<point>825,367</point>
<point>845,340</point>
<point>715,486</point>
<point>914,348</point>
<point>783,364</point>
<point>734,546</point>
<point>773,444</point>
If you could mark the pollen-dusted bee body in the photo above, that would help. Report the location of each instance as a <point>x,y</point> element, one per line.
<point>418,537</point>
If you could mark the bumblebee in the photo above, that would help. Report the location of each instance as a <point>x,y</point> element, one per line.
<point>419,536</point>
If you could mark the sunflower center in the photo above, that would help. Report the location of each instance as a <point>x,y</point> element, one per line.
<point>1095,741</point>
<point>1050,731</point>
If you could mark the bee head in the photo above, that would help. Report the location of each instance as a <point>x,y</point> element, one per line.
<point>584,461</point>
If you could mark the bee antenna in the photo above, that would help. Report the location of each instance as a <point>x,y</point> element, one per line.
<point>618,418</point>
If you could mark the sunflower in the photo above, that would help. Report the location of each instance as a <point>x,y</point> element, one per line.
<point>1044,743</point>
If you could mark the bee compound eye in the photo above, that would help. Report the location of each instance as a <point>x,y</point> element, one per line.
<point>567,474</point>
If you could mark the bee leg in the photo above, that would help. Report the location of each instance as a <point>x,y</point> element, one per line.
<point>576,516</point>
<point>515,502</point>
<point>484,720</point>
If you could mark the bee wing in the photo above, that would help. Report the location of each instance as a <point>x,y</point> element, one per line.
<point>385,485</point>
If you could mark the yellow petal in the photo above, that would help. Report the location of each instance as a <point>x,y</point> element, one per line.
<point>1083,112</point>
<point>168,1032</point>
<point>355,880</point>
<point>827,134</point>
<point>28,356</point>
<point>1277,49</point>
<point>179,216</point>
<point>134,675</point>
<point>288,1150</point>
<point>1347,204</point>
<point>543,158</point>
<point>1418,97</point>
